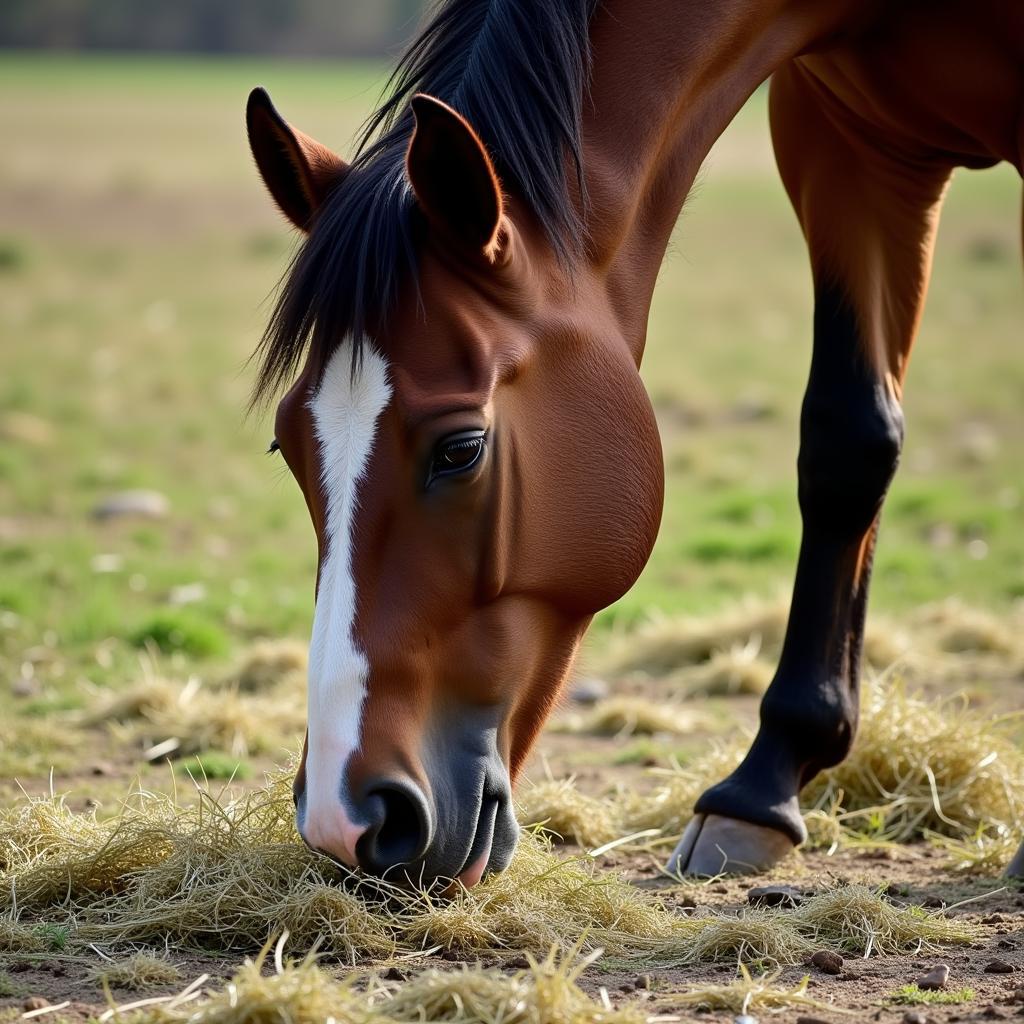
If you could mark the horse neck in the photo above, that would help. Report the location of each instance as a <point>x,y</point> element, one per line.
<point>668,77</point>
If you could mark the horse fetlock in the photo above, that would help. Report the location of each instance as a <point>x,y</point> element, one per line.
<point>762,790</point>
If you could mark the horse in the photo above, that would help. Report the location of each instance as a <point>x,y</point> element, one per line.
<point>458,340</point>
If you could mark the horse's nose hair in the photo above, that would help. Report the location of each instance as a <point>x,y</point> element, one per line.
<point>399,825</point>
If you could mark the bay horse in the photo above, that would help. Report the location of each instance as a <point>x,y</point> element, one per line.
<point>460,333</point>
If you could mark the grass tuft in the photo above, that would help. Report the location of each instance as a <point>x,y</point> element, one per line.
<point>746,994</point>
<point>911,995</point>
<point>141,970</point>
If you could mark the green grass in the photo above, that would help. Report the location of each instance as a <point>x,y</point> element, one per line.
<point>137,257</point>
<point>911,995</point>
<point>213,764</point>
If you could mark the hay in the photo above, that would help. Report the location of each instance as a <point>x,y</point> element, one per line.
<point>663,645</point>
<point>763,936</point>
<point>923,765</point>
<point>958,629</point>
<point>174,719</point>
<point>634,716</point>
<point>747,994</point>
<point>859,919</point>
<point>545,993</point>
<point>269,664</point>
<point>16,937</point>
<point>979,854</point>
<point>152,695</point>
<point>920,767</point>
<point>729,673</point>
<point>733,651</point>
<point>141,970</point>
<point>227,875</point>
<point>299,993</point>
<point>539,902</point>
<point>570,815</point>
<point>853,918</point>
<point>231,874</point>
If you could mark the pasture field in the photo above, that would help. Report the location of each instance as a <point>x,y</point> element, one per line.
<point>138,254</point>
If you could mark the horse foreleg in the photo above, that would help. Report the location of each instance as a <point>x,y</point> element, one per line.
<point>869,223</point>
<point>851,434</point>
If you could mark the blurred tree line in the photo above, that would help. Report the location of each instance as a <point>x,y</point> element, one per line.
<point>310,27</point>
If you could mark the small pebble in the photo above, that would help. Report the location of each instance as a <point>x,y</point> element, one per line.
<point>992,919</point>
<point>828,961</point>
<point>811,1020</point>
<point>642,981</point>
<point>914,1017</point>
<point>589,691</point>
<point>745,1018</point>
<point>517,963</point>
<point>998,967</point>
<point>394,974</point>
<point>934,979</point>
<point>35,1003</point>
<point>774,896</point>
<point>144,504</point>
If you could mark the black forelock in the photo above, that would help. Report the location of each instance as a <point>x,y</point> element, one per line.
<point>517,70</point>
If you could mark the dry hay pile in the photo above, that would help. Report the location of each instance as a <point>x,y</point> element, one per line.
<point>257,708</point>
<point>747,993</point>
<point>735,651</point>
<point>303,993</point>
<point>853,918</point>
<point>920,768</point>
<point>139,971</point>
<point>634,716</point>
<point>232,875</point>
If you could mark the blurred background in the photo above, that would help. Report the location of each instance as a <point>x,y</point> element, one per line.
<point>139,515</point>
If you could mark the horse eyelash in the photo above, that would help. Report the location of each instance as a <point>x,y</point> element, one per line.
<point>274,447</point>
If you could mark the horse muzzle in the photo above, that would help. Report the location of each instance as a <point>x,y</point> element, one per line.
<point>454,823</point>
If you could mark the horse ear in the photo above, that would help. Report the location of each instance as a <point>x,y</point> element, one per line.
<point>452,176</point>
<point>296,169</point>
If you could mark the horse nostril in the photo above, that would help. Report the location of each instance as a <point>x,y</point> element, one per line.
<point>399,826</point>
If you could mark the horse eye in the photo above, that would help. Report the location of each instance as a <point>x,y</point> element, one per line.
<point>457,454</point>
<point>273,447</point>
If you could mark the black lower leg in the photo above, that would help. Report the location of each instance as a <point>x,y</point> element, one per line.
<point>851,434</point>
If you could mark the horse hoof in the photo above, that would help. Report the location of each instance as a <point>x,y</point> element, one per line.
<point>714,845</point>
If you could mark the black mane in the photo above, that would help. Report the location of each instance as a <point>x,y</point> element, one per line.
<point>517,71</point>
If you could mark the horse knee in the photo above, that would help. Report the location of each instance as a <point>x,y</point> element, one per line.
<point>851,424</point>
<point>848,458</point>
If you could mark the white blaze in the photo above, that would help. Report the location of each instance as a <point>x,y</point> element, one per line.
<point>345,412</point>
